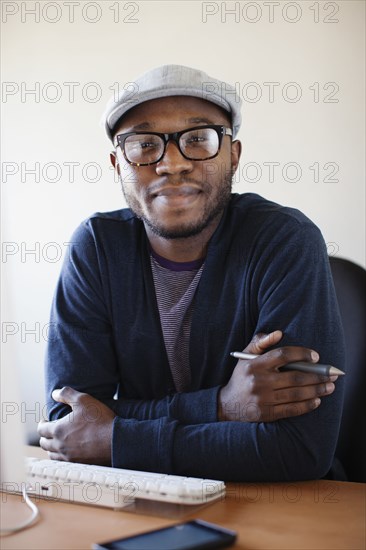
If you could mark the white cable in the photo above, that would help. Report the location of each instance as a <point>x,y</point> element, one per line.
<point>27,523</point>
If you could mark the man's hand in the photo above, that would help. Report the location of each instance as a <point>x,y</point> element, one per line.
<point>84,435</point>
<point>258,392</point>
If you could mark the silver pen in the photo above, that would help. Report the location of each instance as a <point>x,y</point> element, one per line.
<point>315,368</point>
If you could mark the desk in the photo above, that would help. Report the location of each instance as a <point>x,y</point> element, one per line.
<point>306,515</point>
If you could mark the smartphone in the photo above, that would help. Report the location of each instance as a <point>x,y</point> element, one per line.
<point>192,535</point>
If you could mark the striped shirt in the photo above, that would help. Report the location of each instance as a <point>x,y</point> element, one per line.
<point>175,287</point>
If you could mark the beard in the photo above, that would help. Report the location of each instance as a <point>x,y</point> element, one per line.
<point>218,199</point>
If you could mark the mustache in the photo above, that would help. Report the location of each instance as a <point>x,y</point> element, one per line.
<point>155,187</point>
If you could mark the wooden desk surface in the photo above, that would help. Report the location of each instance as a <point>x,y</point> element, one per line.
<point>305,515</point>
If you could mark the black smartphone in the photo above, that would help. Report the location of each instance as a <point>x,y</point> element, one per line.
<point>192,535</point>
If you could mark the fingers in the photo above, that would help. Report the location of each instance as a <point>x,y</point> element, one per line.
<point>288,410</point>
<point>66,395</point>
<point>295,379</point>
<point>252,411</point>
<point>260,342</point>
<point>288,386</point>
<point>45,429</point>
<point>54,453</point>
<point>57,456</point>
<point>47,441</point>
<point>295,395</point>
<point>52,438</point>
<point>276,358</point>
<point>47,444</point>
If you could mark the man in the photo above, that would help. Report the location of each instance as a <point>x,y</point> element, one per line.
<point>153,299</point>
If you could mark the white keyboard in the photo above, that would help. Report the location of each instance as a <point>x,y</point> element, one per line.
<point>114,487</point>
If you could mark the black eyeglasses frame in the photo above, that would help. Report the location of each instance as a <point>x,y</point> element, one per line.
<point>174,136</point>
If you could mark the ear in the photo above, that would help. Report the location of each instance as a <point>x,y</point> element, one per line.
<point>235,154</point>
<point>114,161</point>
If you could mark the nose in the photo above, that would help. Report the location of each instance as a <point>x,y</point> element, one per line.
<point>173,162</point>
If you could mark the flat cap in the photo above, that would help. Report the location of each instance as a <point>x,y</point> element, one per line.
<point>171,80</point>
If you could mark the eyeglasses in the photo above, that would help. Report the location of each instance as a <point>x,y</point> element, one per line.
<point>199,143</point>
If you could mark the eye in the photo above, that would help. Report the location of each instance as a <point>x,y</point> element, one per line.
<point>147,144</point>
<point>196,139</point>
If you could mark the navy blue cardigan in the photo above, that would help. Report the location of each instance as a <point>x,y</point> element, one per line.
<point>266,268</point>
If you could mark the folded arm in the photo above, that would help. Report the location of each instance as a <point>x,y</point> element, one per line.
<point>140,438</point>
<point>181,433</point>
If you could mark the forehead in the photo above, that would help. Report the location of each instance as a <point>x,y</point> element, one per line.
<point>172,114</point>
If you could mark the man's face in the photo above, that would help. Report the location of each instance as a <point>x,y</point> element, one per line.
<point>177,197</point>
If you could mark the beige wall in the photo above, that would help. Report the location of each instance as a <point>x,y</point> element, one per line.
<point>299,66</point>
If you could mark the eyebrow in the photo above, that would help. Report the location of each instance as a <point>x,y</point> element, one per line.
<point>149,126</point>
<point>200,120</point>
<point>141,126</point>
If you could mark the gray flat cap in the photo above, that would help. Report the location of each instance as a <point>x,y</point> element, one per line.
<point>169,80</point>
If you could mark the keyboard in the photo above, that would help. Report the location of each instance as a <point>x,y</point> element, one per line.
<point>115,487</point>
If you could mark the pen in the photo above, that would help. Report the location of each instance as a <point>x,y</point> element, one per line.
<point>316,368</point>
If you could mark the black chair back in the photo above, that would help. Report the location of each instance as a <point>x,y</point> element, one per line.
<point>350,284</point>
